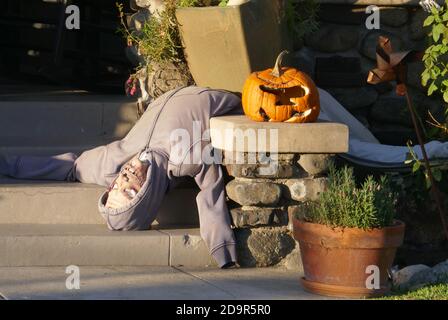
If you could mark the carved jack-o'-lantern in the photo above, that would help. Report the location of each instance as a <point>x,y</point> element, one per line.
<point>281,94</point>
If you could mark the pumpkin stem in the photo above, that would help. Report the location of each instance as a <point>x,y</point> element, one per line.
<point>277,71</point>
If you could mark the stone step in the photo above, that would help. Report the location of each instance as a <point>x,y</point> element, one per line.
<point>68,120</point>
<point>48,202</point>
<point>52,150</point>
<point>94,245</point>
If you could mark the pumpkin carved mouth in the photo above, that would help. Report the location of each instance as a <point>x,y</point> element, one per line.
<point>285,97</point>
<point>299,115</point>
<point>293,118</point>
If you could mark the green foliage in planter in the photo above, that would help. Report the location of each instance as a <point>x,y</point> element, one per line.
<point>202,3</point>
<point>188,3</point>
<point>159,40</point>
<point>301,18</point>
<point>435,58</point>
<point>344,204</point>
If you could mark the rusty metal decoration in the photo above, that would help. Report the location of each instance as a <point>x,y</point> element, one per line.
<point>393,66</point>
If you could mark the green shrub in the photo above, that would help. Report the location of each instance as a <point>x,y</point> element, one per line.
<point>435,75</point>
<point>344,204</point>
<point>435,59</point>
<point>159,40</point>
<point>301,18</point>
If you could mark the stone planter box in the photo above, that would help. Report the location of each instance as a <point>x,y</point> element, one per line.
<point>223,46</point>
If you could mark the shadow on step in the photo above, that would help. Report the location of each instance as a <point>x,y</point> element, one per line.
<point>51,202</point>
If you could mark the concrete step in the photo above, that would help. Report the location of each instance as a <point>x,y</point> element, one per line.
<point>52,150</point>
<point>48,202</point>
<point>94,245</point>
<point>47,223</point>
<point>51,121</point>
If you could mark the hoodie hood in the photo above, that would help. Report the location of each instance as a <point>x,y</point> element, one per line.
<point>142,210</point>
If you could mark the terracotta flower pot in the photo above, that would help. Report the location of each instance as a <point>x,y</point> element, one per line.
<point>342,261</point>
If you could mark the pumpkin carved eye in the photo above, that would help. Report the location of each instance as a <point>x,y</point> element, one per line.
<point>284,95</point>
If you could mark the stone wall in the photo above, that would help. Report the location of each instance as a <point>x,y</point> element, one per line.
<point>340,54</point>
<point>262,206</point>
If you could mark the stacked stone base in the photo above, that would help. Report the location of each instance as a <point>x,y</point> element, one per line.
<point>276,168</point>
<point>262,206</point>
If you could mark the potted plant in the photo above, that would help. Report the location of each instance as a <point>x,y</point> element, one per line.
<point>348,238</point>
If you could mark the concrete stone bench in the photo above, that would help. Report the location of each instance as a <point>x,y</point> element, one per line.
<point>276,167</point>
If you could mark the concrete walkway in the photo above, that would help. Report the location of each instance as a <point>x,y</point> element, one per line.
<point>152,283</point>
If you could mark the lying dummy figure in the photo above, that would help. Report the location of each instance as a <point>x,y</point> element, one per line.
<point>138,170</point>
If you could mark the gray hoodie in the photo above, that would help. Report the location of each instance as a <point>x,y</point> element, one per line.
<point>177,111</point>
